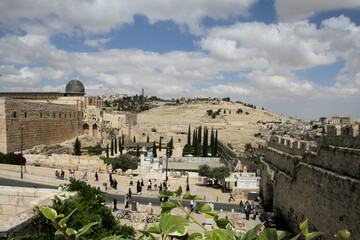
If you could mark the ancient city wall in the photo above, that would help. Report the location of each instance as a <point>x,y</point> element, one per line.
<point>291,146</point>
<point>114,120</point>
<point>3,148</point>
<point>342,136</point>
<point>43,123</point>
<point>323,186</point>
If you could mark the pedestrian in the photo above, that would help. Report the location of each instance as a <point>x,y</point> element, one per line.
<point>187,188</point>
<point>241,205</point>
<point>110,179</point>
<point>131,181</point>
<point>168,188</point>
<point>231,196</point>
<point>155,184</point>
<point>160,188</point>
<point>149,185</point>
<point>85,176</point>
<point>142,182</point>
<point>115,207</point>
<point>57,174</point>
<point>180,188</point>
<point>164,185</point>
<point>127,201</point>
<point>247,210</point>
<point>62,176</point>
<point>115,183</point>
<point>96,176</point>
<point>129,193</point>
<point>191,205</point>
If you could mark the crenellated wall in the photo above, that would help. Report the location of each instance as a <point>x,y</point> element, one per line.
<point>291,146</point>
<point>323,186</point>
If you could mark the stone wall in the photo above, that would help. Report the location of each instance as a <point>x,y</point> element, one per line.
<point>66,161</point>
<point>43,123</point>
<point>291,146</point>
<point>323,186</point>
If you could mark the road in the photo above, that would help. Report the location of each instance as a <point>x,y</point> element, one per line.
<point>141,199</point>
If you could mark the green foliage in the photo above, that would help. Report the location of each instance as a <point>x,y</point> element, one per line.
<point>216,173</point>
<point>90,209</point>
<point>153,129</point>
<point>125,162</point>
<point>209,112</point>
<point>112,147</point>
<point>77,147</point>
<point>315,126</point>
<point>12,158</point>
<point>239,111</point>
<point>107,150</point>
<point>188,149</point>
<point>154,150</point>
<point>248,147</point>
<point>95,150</point>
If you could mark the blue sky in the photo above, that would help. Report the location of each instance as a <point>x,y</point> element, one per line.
<point>297,58</point>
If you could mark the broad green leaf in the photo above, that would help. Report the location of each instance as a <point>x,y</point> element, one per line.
<point>343,235</point>
<point>59,235</point>
<point>205,208</point>
<point>49,213</point>
<point>252,233</point>
<point>314,235</point>
<point>85,229</point>
<point>195,236</point>
<point>63,221</point>
<point>221,223</point>
<point>296,237</point>
<point>173,225</point>
<point>268,234</point>
<point>218,234</point>
<point>147,236</point>
<point>155,228</point>
<point>188,196</point>
<point>167,207</point>
<point>166,194</point>
<point>58,232</point>
<point>282,234</point>
<point>304,227</point>
<point>70,231</point>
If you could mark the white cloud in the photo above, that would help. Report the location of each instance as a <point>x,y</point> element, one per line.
<point>96,42</point>
<point>294,10</point>
<point>98,17</point>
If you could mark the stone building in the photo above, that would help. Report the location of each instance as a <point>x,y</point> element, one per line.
<point>28,119</point>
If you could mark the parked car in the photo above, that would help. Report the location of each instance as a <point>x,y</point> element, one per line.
<point>270,219</point>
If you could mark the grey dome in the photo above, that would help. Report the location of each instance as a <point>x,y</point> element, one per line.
<point>75,86</point>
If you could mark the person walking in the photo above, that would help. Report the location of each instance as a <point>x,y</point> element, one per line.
<point>85,176</point>
<point>187,188</point>
<point>231,196</point>
<point>241,204</point>
<point>115,207</point>
<point>127,201</point>
<point>191,205</point>
<point>115,184</point>
<point>111,180</point>
<point>96,176</point>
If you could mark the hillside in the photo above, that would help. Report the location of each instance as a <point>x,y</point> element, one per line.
<point>173,121</point>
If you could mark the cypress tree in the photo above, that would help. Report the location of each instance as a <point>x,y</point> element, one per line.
<point>120,147</point>
<point>77,147</point>
<point>115,147</point>
<point>194,138</point>
<point>199,135</point>
<point>137,151</point>
<point>123,139</point>
<point>112,147</point>
<point>160,143</point>
<point>171,146</point>
<point>189,137</point>
<point>147,139</point>
<point>196,146</point>
<point>205,142</point>
<point>216,143</point>
<point>212,145</point>
<point>134,139</point>
<point>154,150</point>
<point>107,150</point>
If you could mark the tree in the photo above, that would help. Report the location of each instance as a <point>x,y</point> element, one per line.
<point>160,144</point>
<point>125,162</point>
<point>189,136</point>
<point>212,143</point>
<point>216,143</point>
<point>120,146</point>
<point>154,150</point>
<point>218,174</point>
<point>248,147</point>
<point>205,142</point>
<point>199,135</point>
<point>77,147</point>
<point>134,139</point>
<point>137,150</point>
<point>115,147</point>
<point>226,99</point>
<point>147,139</point>
<point>123,139</point>
<point>112,147</point>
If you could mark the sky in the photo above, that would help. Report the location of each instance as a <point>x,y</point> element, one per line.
<point>300,58</point>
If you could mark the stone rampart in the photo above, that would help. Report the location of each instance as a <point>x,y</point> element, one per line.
<point>43,123</point>
<point>323,186</point>
<point>290,145</point>
<point>342,136</point>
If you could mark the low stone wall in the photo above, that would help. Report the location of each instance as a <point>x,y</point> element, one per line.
<point>16,208</point>
<point>66,161</point>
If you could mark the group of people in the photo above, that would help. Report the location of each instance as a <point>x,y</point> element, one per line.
<point>248,208</point>
<point>113,182</point>
<point>61,175</point>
